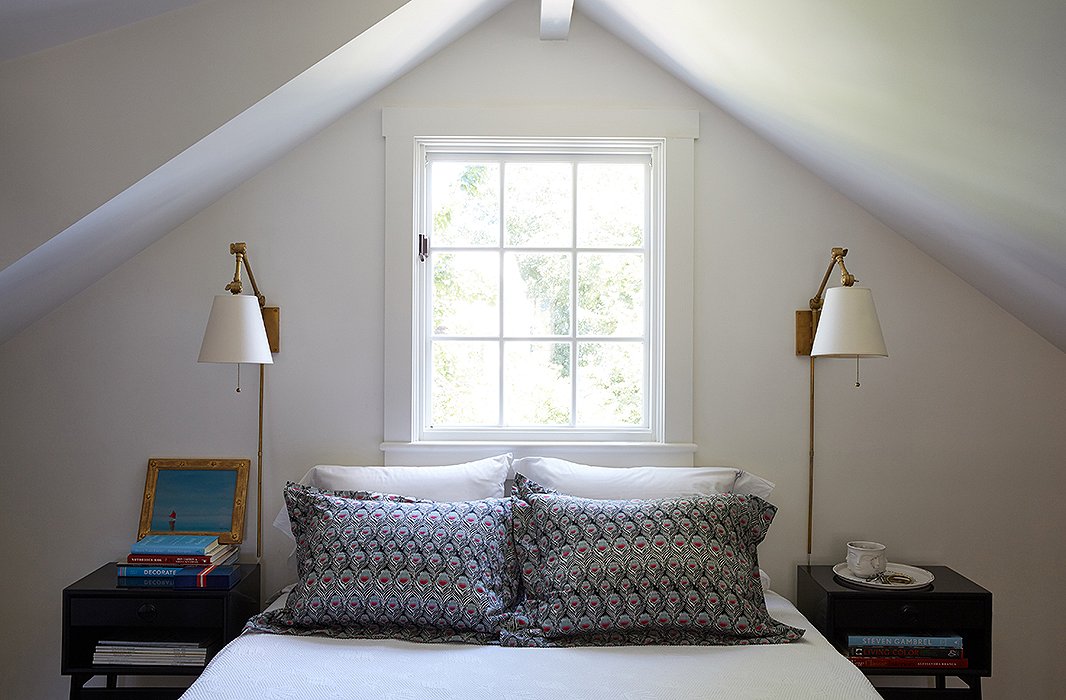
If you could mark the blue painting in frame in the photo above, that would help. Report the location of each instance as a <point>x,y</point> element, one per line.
<point>195,497</point>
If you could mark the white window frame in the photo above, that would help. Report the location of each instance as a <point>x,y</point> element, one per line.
<point>668,439</point>
<point>526,150</point>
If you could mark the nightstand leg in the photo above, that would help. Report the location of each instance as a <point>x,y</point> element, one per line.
<point>112,680</point>
<point>941,682</point>
<point>77,680</point>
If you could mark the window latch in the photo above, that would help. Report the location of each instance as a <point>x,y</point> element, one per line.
<point>423,247</point>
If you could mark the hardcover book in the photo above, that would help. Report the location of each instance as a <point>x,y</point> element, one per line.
<point>176,544</point>
<point>146,582</point>
<point>907,652</point>
<point>218,557</point>
<point>864,662</point>
<point>161,570</point>
<point>149,571</point>
<point>903,640</point>
<point>217,577</point>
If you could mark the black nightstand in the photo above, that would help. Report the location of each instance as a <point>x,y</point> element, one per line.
<point>97,608</point>
<point>951,604</point>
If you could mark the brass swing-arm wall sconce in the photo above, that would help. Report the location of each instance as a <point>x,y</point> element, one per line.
<point>843,324</point>
<point>243,329</point>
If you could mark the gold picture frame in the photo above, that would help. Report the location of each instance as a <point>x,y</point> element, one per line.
<point>195,497</point>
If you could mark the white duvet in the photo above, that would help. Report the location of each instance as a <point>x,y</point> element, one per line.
<point>275,667</point>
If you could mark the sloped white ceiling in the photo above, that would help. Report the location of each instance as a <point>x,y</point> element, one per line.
<point>946,120</point>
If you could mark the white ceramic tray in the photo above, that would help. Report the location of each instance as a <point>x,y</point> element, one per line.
<point>919,577</point>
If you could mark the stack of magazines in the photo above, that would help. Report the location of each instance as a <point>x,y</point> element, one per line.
<point>180,561</point>
<point>146,653</point>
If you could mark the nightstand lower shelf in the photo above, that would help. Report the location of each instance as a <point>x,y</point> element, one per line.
<point>110,691</point>
<point>973,690</point>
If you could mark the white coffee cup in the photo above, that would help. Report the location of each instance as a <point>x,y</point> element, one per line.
<point>866,559</point>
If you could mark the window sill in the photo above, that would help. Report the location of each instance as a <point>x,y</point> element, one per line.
<point>608,454</point>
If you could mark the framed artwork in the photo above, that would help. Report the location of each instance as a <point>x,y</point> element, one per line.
<point>195,497</point>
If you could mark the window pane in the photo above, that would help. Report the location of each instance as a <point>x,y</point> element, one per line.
<point>537,384</point>
<point>610,391</point>
<point>536,290</point>
<point>466,294</point>
<point>465,203</point>
<point>610,205</point>
<point>465,388</point>
<point>538,204</point>
<point>610,294</point>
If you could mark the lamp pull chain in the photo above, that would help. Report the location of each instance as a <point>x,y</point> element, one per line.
<point>856,372</point>
<point>238,377</point>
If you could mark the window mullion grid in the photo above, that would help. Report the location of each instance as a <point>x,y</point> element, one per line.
<point>573,294</point>
<point>500,240</point>
<point>543,250</point>
<point>651,315</point>
<point>425,349</point>
<point>655,318</point>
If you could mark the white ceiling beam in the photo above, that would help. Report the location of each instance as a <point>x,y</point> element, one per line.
<point>555,19</point>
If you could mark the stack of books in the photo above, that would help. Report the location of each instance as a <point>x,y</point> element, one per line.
<point>180,561</point>
<point>907,651</point>
<point>148,653</point>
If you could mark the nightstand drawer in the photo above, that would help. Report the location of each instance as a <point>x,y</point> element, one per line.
<point>912,614</point>
<point>147,612</point>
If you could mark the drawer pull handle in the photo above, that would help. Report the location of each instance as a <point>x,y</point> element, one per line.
<point>909,614</point>
<point>146,612</point>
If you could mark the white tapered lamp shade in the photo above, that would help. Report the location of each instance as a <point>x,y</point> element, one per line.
<point>235,332</point>
<point>848,325</point>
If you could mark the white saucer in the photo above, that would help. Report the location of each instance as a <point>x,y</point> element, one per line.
<point>920,577</point>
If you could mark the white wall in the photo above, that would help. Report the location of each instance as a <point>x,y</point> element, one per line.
<point>928,456</point>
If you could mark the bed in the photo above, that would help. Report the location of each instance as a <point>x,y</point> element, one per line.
<point>269,666</point>
<point>572,588</point>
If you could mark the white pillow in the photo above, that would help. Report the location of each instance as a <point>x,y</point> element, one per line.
<point>753,485</point>
<point>470,481</point>
<point>637,482</point>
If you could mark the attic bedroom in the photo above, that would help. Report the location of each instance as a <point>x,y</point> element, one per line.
<point>925,138</point>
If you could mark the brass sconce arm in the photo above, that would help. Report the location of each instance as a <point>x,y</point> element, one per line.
<point>240,250</point>
<point>846,278</point>
<point>807,319</point>
<point>270,313</point>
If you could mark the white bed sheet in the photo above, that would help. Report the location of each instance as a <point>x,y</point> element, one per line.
<point>276,667</point>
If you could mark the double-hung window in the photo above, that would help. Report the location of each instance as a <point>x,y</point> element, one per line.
<point>539,281</point>
<point>539,289</point>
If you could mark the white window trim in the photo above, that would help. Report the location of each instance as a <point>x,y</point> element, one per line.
<point>401,127</point>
